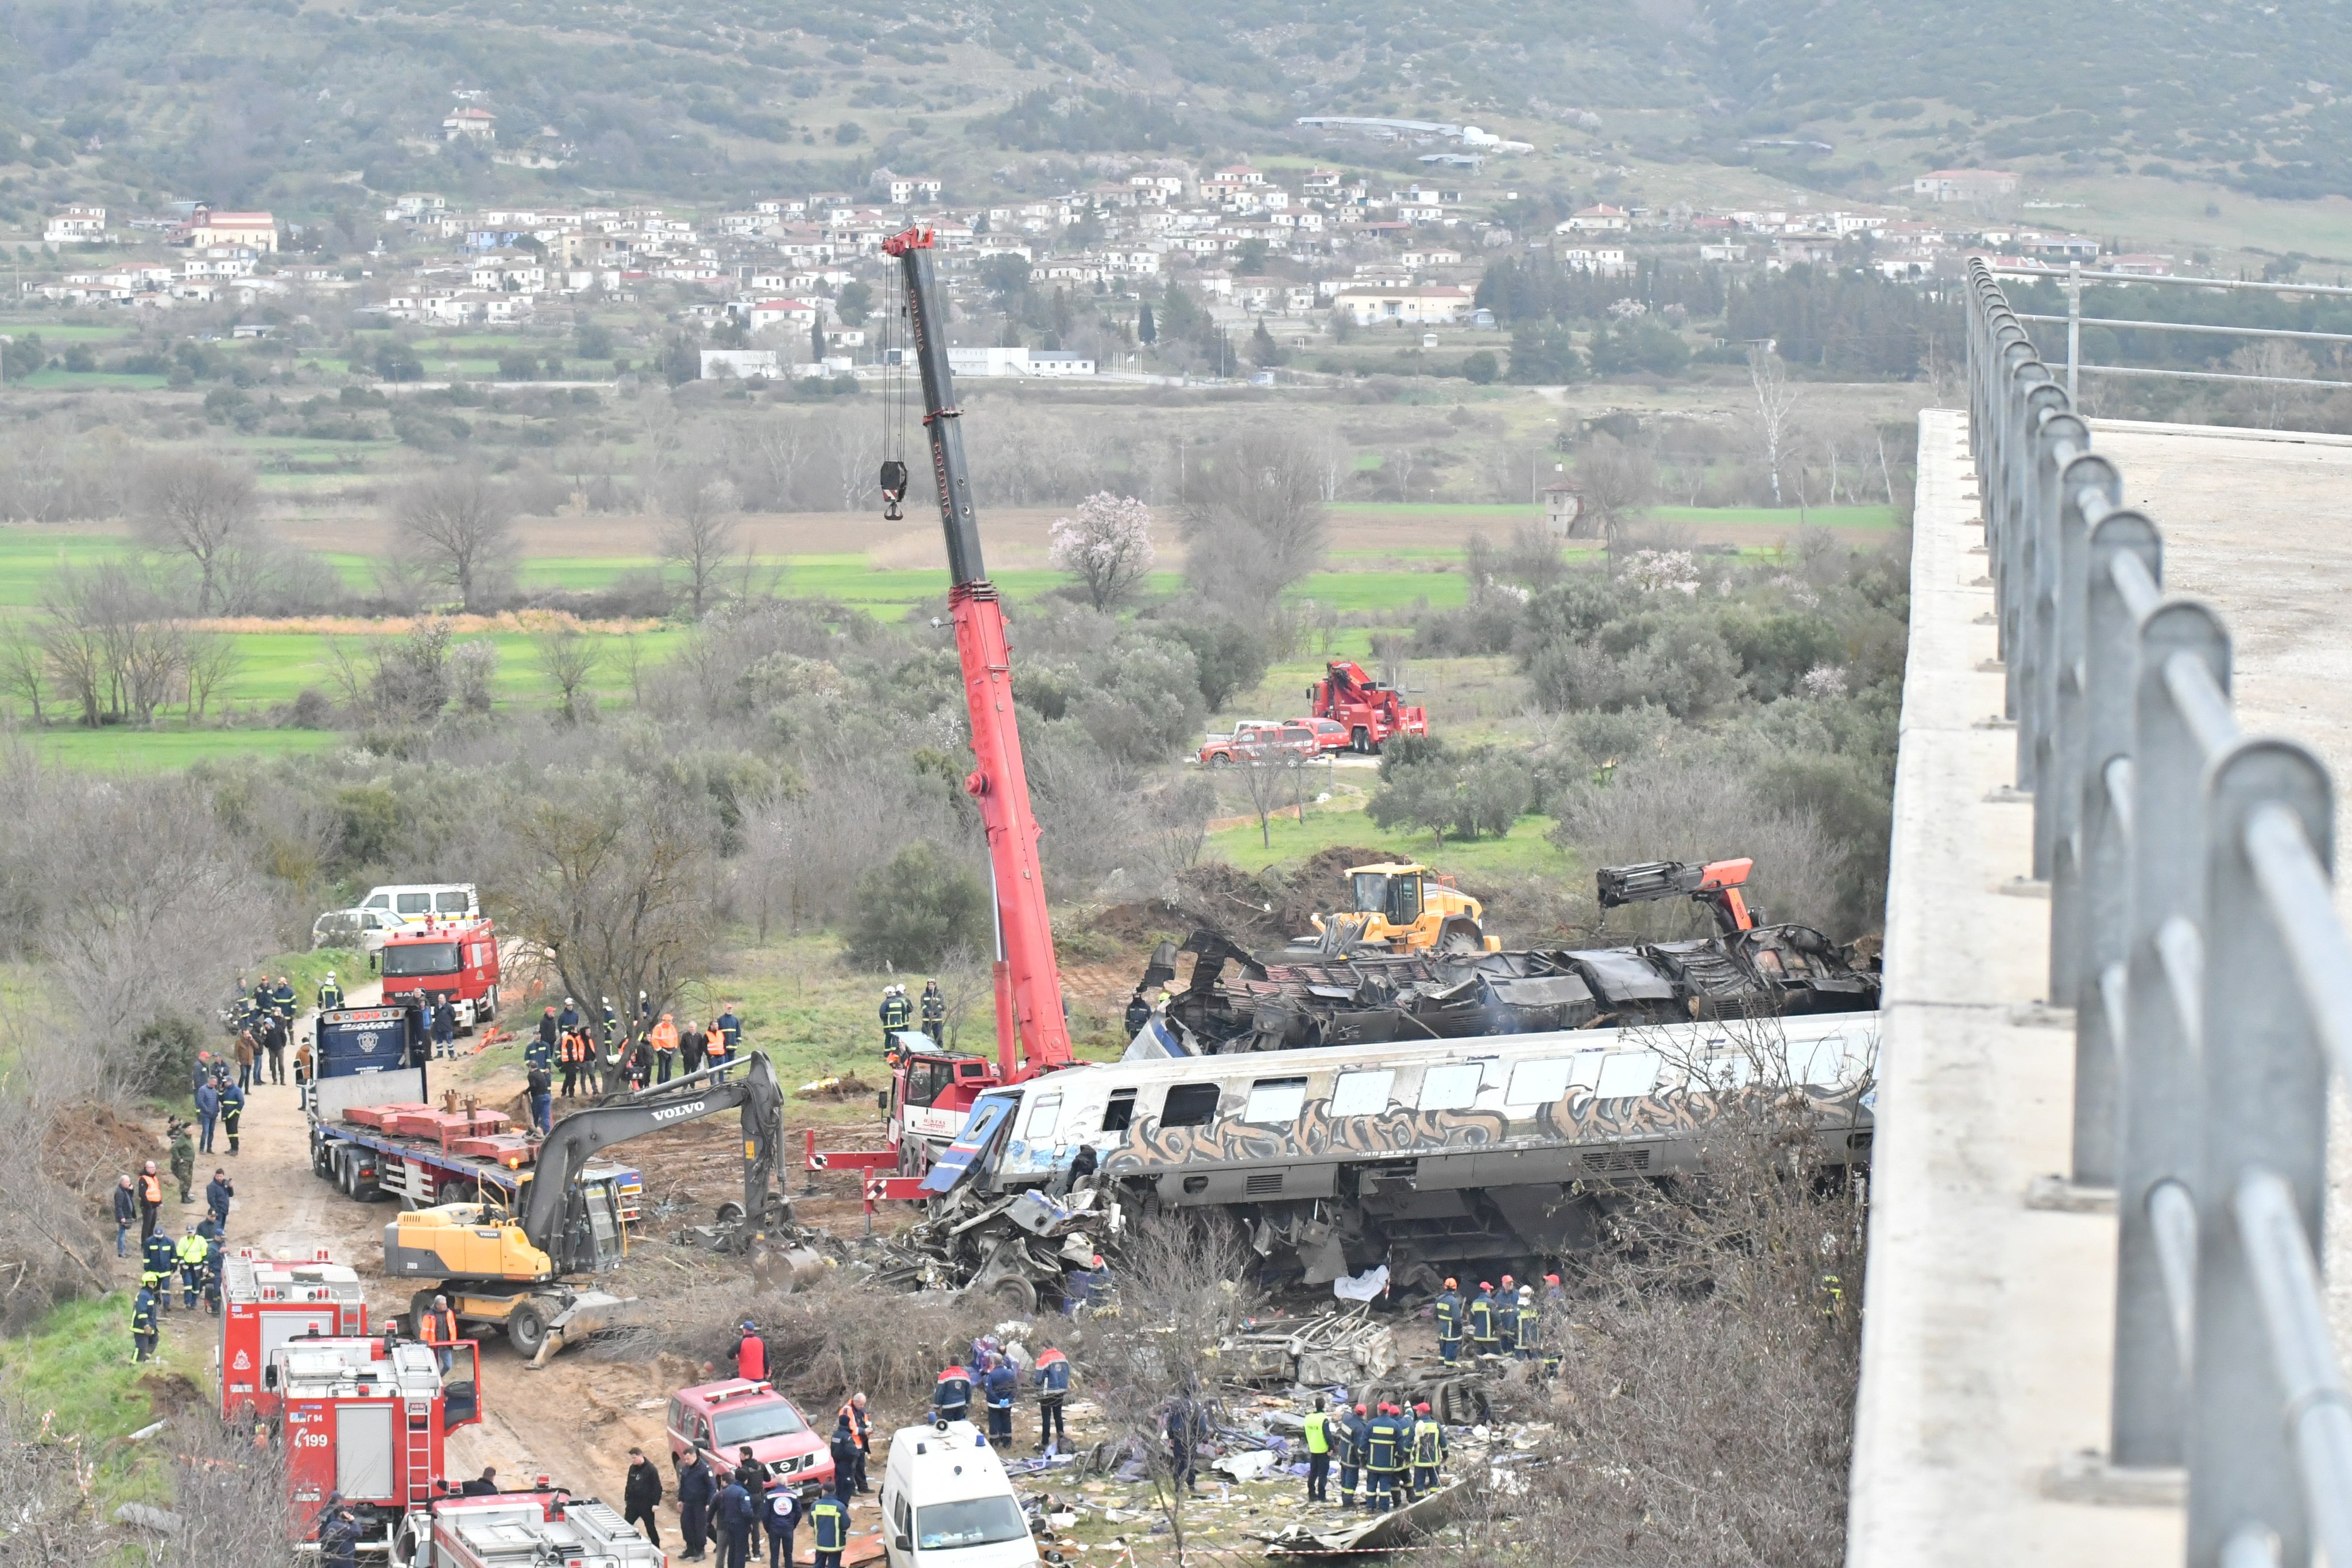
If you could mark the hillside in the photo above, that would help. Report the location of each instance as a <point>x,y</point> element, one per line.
<point>307,106</point>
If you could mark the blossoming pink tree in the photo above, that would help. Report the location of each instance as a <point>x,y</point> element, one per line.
<point>1108,545</point>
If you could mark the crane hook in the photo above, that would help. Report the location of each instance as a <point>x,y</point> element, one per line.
<point>893,489</point>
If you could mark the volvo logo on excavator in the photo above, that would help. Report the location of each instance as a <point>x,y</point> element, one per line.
<point>672,1112</point>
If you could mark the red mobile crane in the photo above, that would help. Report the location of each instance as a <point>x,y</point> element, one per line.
<point>1031,1037</point>
<point>1371,711</point>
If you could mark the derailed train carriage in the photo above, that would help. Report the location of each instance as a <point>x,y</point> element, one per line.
<point>1421,1156</point>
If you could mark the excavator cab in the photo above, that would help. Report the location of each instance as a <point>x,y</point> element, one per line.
<point>1409,908</point>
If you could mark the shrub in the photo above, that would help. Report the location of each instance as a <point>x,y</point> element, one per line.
<point>1482,366</point>
<point>165,1054</point>
<point>914,912</point>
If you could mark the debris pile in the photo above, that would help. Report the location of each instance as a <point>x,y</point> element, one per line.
<point>1343,1346</point>
<point>1017,1248</point>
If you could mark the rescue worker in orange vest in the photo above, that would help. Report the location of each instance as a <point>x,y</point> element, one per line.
<point>664,1039</point>
<point>437,1327</point>
<point>861,1431</point>
<point>572,1051</point>
<point>151,1201</point>
<point>714,1051</point>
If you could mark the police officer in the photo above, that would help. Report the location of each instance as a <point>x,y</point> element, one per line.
<point>1053,1375</point>
<point>1318,1453</point>
<point>736,1517</point>
<point>191,1253</point>
<point>1484,1336</point>
<point>951,1394</point>
<point>330,995</point>
<point>1428,1450</point>
<point>830,1520</point>
<point>142,1324</point>
<point>1355,1434</point>
<point>935,1011</point>
<point>780,1515</point>
<point>158,1260</point>
<point>897,1012</point>
<point>338,1533</point>
<point>1448,1309</point>
<point>696,1488</point>
<point>843,1451</point>
<point>1002,1385</point>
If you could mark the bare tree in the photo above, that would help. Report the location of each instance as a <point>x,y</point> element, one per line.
<point>214,660</point>
<point>459,524</point>
<point>1252,519</point>
<point>1776,407</point>
<point>198,507</point>
<point>2273,401</point>
<point>568,657</point>
<point>24,667</point>
<point>1619,482</point>
<point>1267,780</point>
<point>697,530</point>
<point>775,451</point>
<point>1400,461</point>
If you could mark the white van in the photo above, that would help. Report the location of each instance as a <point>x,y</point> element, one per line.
<point>415,902</point>
<point>948,1504</point>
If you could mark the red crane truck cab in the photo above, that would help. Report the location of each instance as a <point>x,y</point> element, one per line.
<point>454,961</point>
<point>1370,711</point>
<point>369,1418</point>
<point>268,1301</point>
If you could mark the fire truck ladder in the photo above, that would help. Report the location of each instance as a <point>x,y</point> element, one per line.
<point>416,1456</point>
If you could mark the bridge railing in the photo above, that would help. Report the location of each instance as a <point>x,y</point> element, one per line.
<point>2194,931</point>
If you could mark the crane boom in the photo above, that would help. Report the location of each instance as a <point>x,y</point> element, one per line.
<point>1031,1034</point>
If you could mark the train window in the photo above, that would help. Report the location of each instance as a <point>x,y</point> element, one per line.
<point>1816,1061</point>
<point>1538,1082</point>
<point>1275,1099</point>
<point>1190,1106</point>
<point>1587,1072</point>
<point>1451,1088</point>
<point>1120,1112</point>
<point>1626,1074</point>
<point>1362,1093</point>
<point>1042,1117</point>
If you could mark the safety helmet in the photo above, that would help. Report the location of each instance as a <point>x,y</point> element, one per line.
<point>1449,1284</point>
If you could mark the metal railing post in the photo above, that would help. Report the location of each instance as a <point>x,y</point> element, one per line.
<point>2161,1134</point>
<point>2264,1084</point>
<point>2033,560</point>
<point>2102,891</point>
<point>2058,627</point>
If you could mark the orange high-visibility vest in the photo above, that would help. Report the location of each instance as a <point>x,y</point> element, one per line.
<point>441,1327</point>
<point>665,1036</point>
<point>151,1187</point>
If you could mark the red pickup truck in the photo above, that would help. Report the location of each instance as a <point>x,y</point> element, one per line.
<point>1264,738</point>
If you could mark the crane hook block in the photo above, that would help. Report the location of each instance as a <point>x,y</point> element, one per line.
<point>894,488</point>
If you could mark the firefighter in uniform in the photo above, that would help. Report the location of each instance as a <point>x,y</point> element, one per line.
<point>158,1260</point>
<point>143,1325</point>
<point>1483,1337</point>
<point>330,995</point>
<point>1318,1437</point>
<point>1428,1450</point>
<point>1448,1308</point>
<point>897,1012</point>
<point>193,1253</point>
<point>1353,1433</point>
<point>281,1001</point>
<point>830,1520</point>
<point>935,1011</point>
<point>1384,1445</point>
<point>1530,1325</point>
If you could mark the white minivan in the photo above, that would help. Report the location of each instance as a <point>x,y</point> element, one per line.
<point>948,1504</point>
<point>415,902</point>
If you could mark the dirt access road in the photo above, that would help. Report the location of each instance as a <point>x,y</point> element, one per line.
<point>573,1420</point>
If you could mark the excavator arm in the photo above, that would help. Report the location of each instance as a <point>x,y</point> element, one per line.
<point>1031,1034</point>
<point>543,1211</point>
<point>1716,884</point>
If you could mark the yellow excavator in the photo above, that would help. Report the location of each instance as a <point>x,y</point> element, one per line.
<point>1405,907</point>
<point>512,1272</point>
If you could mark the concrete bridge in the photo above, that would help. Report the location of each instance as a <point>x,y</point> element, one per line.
<point>2119,996</point>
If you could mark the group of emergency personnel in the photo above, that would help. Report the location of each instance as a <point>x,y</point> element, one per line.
<point>1508,1325</point>
<point>1397,1454</point>
<point>900,1011</point>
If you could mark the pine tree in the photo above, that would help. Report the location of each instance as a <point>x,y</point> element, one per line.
<point>1145,330</point>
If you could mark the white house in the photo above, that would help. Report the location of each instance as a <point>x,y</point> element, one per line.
<point>742,364</point>
<point>1039,363</point>
<point>1600,219</point>
<point>1965,185</point>
<point>75,226</point>
<point>472,121</point>
<point>1443,304</point>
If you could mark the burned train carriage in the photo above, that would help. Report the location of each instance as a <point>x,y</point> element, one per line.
<point>1418,1155</point>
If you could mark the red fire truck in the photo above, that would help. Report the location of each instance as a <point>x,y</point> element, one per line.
<point>445,960</point>
<point>266,1302</point>
<point>368,1418</point>
<point>520,1530</point>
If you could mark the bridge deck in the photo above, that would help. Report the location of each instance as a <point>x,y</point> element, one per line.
<point>1984,1398</point>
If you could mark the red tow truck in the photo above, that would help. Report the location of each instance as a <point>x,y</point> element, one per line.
<point>369,1418</point>
<point>1370,711</point>
<point>268,1301</point>
<point>441,961</point>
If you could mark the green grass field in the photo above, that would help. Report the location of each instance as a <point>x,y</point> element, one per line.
<point>1286,842</point>
<point>75,1366</point>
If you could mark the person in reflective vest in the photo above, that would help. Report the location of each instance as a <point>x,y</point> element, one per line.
<point>1354,1433</point>
<point>1448,1310</point>
<point>572,1051</point>
<point>192,1252</point>
<point>861,1430</point>
<point>935,1011</point>
<point>897,1012</point>
<point>143,1325</point>
<point>1482,1321</point>
<point>1428,1450</point>
<point>438,1328</point>
<point>1529,1324</point>
<point>151,1201</point>
<point>330,995</point>
<point>1053,1375</point>
<point>951,1394</point>
<point>830,1520</point>
<point>1318,1453</point>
